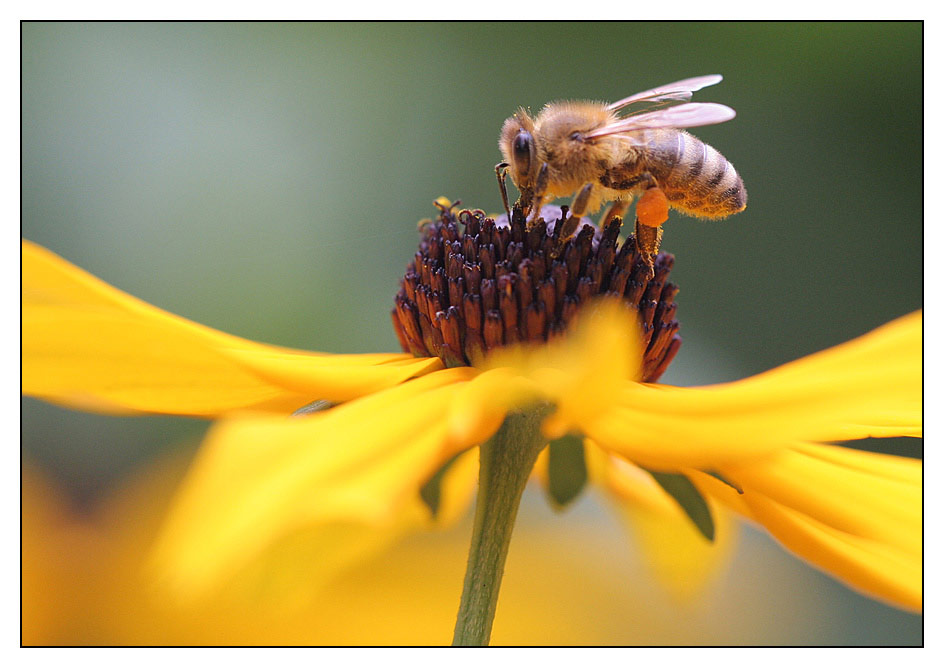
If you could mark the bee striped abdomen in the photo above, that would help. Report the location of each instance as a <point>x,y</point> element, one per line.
<point>700,181</point>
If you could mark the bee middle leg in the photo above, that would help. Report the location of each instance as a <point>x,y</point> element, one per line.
<point>617,210</point>
<point>568,226</point>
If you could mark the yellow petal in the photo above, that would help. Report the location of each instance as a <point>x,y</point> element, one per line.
<point>868,386</point>
<point>84,581</point>
<point>580,372</point>
<point>903,469</point>
<point>319,552</point>
<point>457,489</point>
<point>481,405</point>
<point>88,345</point>
<point>851,494</point>
<point>681,558</point>
<point>260,478</point>
<point>857,515</point>
<point>870,566</point>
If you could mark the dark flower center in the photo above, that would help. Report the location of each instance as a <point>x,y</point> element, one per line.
<point>476,284</point>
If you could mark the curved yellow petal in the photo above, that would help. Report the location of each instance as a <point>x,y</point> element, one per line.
<point>580,372</point>
<point>681,558</point>
<point>319,552</point>
<point>481,405</point>
<point>857,499</point>
<point>314,554</point>
<point>85,580</point>
<point>862,510</point>
<point>870,566</point>
<point>458,488</point>
<point>88,345</point>
<point>260,478</point>
<point>890,467</point>
<point>857,515</point>
<point>868,386</point>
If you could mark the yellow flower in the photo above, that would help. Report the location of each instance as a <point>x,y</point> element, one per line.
<point>760,447</point>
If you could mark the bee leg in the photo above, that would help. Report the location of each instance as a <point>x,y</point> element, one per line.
<point>567,227</point>
<point>577,208</point>
<point>617,210</point>
<point>537,198</point>
<point>501,169</point>
<point>651,211</point>
<point>648,240</point>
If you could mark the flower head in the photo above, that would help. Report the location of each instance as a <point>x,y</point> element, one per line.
<point>477,284</point>
<point>494,303</point>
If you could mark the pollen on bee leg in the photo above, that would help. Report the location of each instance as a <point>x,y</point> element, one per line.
<point>477,284</point>
<point>652,209</point>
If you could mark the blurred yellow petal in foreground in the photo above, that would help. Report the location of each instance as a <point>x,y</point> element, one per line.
<point>259,479</point>
<point>683,560</point>
<point>85,583</point>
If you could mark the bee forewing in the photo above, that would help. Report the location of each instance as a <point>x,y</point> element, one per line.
<point>689,115</point>
<point>671,91</point>
<point>657,102</point>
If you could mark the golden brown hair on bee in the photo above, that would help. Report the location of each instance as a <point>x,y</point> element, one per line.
<point>572,158</point>
<point>556,138</point>
<point>601,152</point>
<point>696,178</point>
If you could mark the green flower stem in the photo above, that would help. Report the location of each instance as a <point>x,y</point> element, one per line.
<point>505,463</point>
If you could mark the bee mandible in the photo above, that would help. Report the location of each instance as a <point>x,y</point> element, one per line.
<point>602,152</point>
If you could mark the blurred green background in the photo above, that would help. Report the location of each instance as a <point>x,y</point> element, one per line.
<point>265,179</point>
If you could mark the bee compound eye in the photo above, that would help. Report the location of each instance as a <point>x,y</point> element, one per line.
<point>522,148</point>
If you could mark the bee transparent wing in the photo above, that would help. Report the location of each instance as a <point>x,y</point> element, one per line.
<point>680,91</point>
<point>689,115</point>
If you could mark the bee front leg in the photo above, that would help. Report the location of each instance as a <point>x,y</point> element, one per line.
<point>652,210</point>
<point>537,197</point>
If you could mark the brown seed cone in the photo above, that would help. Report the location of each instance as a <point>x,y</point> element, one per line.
<point>478,283</point>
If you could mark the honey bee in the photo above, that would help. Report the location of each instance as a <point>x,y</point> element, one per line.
<point>603,153</point>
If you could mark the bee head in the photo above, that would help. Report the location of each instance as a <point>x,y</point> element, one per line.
<point>519,149</point>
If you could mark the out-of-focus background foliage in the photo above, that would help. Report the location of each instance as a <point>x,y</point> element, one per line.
<point>265,179</point>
